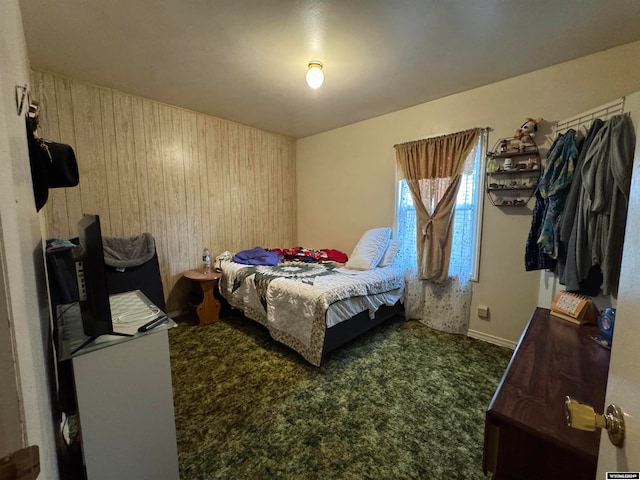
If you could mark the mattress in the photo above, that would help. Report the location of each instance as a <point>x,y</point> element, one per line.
<point>298,301</point>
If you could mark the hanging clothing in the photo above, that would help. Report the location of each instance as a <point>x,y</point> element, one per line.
<point>567,269</point>
<point>602,211</point>
<point>554,187</point>
<point>534,257</point>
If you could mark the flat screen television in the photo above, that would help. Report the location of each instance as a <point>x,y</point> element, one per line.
<point>93,295</point>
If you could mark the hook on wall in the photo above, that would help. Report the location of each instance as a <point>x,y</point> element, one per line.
<point>22,93</point>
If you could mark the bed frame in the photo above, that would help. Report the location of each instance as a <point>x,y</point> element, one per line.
<point>345,331</point>
<point>353,327</point>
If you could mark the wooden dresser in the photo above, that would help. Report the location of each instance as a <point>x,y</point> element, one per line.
<point>526,434</point>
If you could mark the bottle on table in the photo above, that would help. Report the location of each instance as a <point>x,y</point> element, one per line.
<point>206,261</point>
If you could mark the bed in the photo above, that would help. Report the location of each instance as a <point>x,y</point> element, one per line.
<point>313,308</point>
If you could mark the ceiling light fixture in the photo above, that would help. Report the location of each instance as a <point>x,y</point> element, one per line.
<point>315,77</point>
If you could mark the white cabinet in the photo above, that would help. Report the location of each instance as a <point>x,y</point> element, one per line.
<point>124,395</point>
<point>125,405</point>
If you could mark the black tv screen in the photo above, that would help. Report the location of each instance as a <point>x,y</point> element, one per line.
<point>92,283</point>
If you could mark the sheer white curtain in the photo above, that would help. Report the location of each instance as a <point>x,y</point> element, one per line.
<point>444,306</point>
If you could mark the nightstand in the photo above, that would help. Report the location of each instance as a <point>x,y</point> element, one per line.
<point>209,309</point>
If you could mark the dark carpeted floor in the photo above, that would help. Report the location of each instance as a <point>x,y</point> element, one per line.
<point>401,402</point>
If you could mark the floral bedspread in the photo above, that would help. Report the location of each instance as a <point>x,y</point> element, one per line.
<point>291,299</point>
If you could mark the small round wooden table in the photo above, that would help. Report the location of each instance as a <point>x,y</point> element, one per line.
<point>209,310</point>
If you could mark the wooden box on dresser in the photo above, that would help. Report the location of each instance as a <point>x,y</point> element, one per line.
<point>526,432</point>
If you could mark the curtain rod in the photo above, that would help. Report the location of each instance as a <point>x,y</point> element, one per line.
<point>485,129</point>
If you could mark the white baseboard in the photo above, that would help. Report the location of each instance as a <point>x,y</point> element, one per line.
<point>485,337</point>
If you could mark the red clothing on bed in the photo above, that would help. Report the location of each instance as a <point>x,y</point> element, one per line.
<point>306,255</point>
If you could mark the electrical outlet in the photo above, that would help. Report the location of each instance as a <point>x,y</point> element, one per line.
<point>483,311</point>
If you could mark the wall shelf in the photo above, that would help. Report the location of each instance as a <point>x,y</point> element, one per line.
<point>497,189</point>
<point>513,172</point>
<point>512,153</point>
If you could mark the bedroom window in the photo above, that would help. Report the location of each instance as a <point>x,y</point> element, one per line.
<point>465,248</point>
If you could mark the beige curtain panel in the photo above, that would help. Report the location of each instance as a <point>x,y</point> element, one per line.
<point>431,168</point>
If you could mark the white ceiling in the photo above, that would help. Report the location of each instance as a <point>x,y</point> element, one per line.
<point>245,60</point>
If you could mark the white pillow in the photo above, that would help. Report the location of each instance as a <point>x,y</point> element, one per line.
<point>370,249</point>
<point>390,254</point>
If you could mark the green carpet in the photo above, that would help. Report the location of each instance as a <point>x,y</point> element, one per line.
<point>401,402</point>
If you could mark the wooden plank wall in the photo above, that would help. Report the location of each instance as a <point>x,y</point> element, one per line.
<point>189,179</point>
